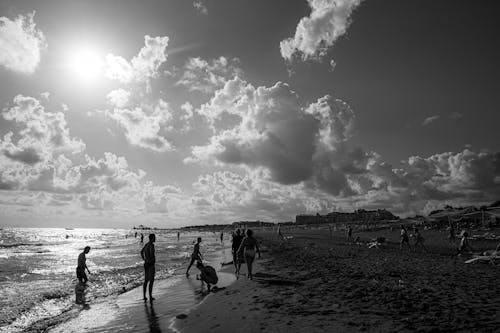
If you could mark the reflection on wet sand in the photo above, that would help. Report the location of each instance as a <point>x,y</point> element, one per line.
<point>153,320</point>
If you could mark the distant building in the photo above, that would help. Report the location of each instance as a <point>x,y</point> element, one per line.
<point>252,224</point>
<point>360,215</point>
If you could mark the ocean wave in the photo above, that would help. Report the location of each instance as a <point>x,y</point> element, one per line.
<point>21,244</point>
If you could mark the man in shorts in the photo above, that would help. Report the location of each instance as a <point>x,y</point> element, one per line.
<point>82,266</point>
<point>195,256</point>
<point>148,255</point>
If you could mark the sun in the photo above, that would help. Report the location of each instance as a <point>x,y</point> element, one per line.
<point>86,63</point>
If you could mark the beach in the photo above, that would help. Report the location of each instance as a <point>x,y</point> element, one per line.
<point>318,283</point>
<point>315,282</point>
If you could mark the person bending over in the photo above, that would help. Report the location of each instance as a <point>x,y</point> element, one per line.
<point>207,275</point>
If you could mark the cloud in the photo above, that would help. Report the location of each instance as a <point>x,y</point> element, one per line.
<point>307,148</point>
<point>118,98</point>
<point>329,19</point>
<point>21,43</point>
<point>200,7</point>
<point>208,76</point>
<point>43,134</point>
<point>276,132</point>
<point>430,120</point>
<point>455,115</point>
<point>143,124</point>
<point>143,66</point>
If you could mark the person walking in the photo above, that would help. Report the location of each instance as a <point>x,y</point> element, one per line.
<point>405,239</point>
<point>148,255</point>
<point>195,256</point>
<point>82,266</point>
<point>419,240</point>
<point>237,258</point>
<point>248,247</point>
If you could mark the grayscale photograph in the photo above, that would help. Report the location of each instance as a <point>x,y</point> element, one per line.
<point>245,166</point>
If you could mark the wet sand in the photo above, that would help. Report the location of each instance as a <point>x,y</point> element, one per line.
<point>315,283</point>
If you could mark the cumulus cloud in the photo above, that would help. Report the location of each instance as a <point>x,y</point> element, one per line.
<point>207,76</point>
<point>328,20</point>
<point>21,43</point>
<point>143,124</point>
<point>430,120</point>
<point>43,134</point>
<point>306,148</point>
<point>200,7</point>
<point>143,66</point>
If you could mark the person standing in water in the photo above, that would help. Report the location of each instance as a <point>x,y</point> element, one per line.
<point>195,256</point>
<point>82,266</point>
<point>178,235</point>
<point>248,247</point>
<point>148,255</point>
<point>142,238</point>
<point>222,237</point>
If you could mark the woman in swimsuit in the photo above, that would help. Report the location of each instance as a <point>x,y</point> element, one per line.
<point>248,247</point>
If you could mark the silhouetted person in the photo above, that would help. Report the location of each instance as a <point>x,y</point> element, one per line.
<point>195,256</point>
<point>349,233</point>
<point>451,235</point>
<point>237,257</point>
<point>221,237</point>
<point>148,255</point>
<point>464,242</point>
<point>248,247</point>
<point>405,239</point>
<point>419,240</point>
<point>142,238</point>
<point>178,236</point>
<point>207,275</point>
<point>82,266</point>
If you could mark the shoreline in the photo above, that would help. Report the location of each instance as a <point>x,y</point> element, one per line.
<point>128,312</point>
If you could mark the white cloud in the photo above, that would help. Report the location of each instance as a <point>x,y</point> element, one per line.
<point>143,66</point>
<point>430,120</point>
<point>118,98</point>
<point>144,123</point>
<point>329,19</point>
<point>208,76</point>
<point>21,43</point>
<point>200,7</point>
<point>307,148</point>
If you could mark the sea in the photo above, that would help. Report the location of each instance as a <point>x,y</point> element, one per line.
<point>37,268</point>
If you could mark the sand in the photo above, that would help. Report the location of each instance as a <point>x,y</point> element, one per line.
<point>318,284</point>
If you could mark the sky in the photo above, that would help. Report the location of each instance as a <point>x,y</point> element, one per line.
<point>173,113</point>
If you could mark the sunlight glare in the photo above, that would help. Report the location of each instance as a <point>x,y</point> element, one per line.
<point>86,64</point>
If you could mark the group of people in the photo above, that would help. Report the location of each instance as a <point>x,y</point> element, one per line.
<point>244,249</point>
